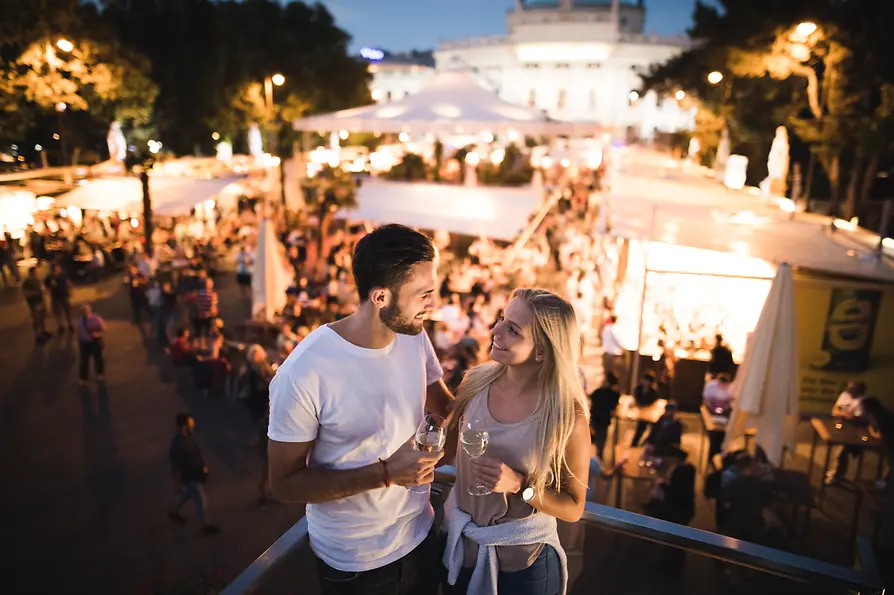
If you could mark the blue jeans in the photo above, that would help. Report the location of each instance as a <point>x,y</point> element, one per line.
<point>543,577</point>
<point>192,490</point>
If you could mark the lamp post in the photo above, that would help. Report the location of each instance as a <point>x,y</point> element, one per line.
<point>277,80</point>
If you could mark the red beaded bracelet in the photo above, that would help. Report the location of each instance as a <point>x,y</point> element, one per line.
<point>387,475</point>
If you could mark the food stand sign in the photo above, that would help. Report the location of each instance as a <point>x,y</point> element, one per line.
<point>846,332</point>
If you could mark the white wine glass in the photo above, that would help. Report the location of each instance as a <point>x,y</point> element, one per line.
<point>473,437</point>
<point>430,437</point>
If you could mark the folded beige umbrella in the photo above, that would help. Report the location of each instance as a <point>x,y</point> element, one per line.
<point>767,385</point>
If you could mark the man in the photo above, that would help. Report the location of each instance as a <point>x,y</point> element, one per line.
<point>190,474</point>
<point>645,394</point>
<point>206,309</point>
<point>612,351</point>
<point>603,403</point>
<point>8,259</point>
<point>343,411</point>
<point>721,358</point>
<point>718,400</point>
<point>849,406</point>
<point>59,288</point>
<point>32,289</point>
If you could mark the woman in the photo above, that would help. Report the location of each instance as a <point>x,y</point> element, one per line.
<point>531,403</point>
<point>90,329</point>
<point>244,263</point>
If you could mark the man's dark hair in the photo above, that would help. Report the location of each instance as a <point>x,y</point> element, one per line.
<point>182,420</point>
<point>611,379</point>
<point>385,257</point>
<point>718,338</point>
<point>650,376</point>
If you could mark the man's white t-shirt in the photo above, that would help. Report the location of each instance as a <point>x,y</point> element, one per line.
<point>849,403</point>
<point>357,405</point>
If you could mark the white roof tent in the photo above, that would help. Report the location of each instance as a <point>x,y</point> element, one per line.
<point>451,103</point>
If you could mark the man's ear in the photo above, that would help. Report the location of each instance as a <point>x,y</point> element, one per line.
<point>380,297</point>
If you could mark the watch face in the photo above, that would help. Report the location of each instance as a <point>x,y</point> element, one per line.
<point>528,494</point>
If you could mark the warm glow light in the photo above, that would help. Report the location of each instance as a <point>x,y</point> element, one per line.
<point>633,96</point>
<point>787,205</point>
<point>61,106</point>
<point>278,79</point>
<point>851,225</point>
<point>403,137</point>
<point>215,135</point>
<point>594,159</point>
<point>472,158</point>
<point>55,136</point>
<point>488,137</point>
<point>566,162</point>
<point>498,156</point>
<point>65,45</point>
<point>562,52</point>
<point>546,162</point>
<point>715,77</point>
<point>806,29</point>
<point>680,95</point>
<point>209,204</point>
<point>134,222</point>
<point>343,134</point>
<point>38,148</point>
<point>377,94</point>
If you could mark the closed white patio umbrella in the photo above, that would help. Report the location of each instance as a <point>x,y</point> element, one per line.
<point>767,385</point>
<point>270,279</point>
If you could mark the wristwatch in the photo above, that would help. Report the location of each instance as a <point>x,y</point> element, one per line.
<point>527,491</point>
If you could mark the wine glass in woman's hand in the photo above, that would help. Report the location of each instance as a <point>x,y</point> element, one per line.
<point>473,437</point>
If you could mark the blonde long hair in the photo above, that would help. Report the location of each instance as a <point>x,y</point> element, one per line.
<point>557,337</point>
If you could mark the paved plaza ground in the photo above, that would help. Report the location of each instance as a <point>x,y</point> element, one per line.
<point>86,480</point>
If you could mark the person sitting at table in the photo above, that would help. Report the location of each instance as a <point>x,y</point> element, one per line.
<point>181,348</point>
<point>673,497</point>
<point>666,434</point>
<point>645,395</point>
<point>848,406</point>
<point>717,399</point>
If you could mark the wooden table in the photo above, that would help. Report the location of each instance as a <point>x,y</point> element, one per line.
<point>627,410</point>
<point>634,471</point>
<point>841,432</point>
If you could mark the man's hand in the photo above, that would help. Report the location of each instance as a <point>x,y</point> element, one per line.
<point>498,476</point>
<point>410,467</point>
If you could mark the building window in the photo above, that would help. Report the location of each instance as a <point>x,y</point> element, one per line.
<point>592,101</point>
<point>532,98</point>
<point>560,104</point>
<point>531,65</point>
<point>388,96</point>
<point>562,66</point>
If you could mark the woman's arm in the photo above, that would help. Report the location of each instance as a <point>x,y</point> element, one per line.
<point>566,504</point>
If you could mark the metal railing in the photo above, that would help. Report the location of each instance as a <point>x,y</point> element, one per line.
<point>704,543</point>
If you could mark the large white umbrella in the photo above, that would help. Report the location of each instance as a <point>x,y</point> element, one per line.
<point>270,279</point>
<point>767,385</point>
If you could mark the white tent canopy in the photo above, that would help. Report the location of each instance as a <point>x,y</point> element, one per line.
<point>451,103</point>
<point>270,279</point>
<point>656,198</point>
<point>497,212</point>
<point>170,196</point>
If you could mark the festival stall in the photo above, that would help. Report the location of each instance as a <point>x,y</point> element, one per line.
<point>689,259</point>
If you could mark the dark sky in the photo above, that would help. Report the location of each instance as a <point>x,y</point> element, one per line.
<point>399,25</point>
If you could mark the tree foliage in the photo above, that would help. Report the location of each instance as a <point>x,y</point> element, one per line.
<point>830,89</point>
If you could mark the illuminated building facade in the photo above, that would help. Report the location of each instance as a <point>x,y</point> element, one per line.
<point>576,59</point>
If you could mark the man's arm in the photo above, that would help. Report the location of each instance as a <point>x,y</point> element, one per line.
<point>292,481</point>
<point>439,401</point>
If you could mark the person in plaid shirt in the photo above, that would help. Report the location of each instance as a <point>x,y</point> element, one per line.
<point>206,309</point>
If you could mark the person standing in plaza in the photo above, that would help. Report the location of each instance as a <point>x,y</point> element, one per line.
<point>603,403</point>
<point>138,284</point>
<point>244,263</point>
<point>206,309</point>
<point>33,291</point>
<point>190,474</point>
<point>90,330</point>
<point>8,259</point>
<point>59,287</point>
<point>344,408</point>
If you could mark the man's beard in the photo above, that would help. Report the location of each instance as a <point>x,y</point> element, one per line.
<point>395,321</point>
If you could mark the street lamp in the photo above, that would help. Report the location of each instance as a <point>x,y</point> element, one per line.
<point>278,79</point>
<point>64,45</point>
<point>680,95</point>
<point>715,77</point>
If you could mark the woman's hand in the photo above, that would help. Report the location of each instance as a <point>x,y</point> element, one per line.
<point>497,476</point>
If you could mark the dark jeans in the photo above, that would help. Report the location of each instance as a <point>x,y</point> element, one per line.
<point>844,459</point>
<point>543,577</point>
<point>417,573</point>
<point>138,305</point>
<point>600,435</point>
<point>641,427</point>
<point>91,349</point>
<point>715,444</point>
